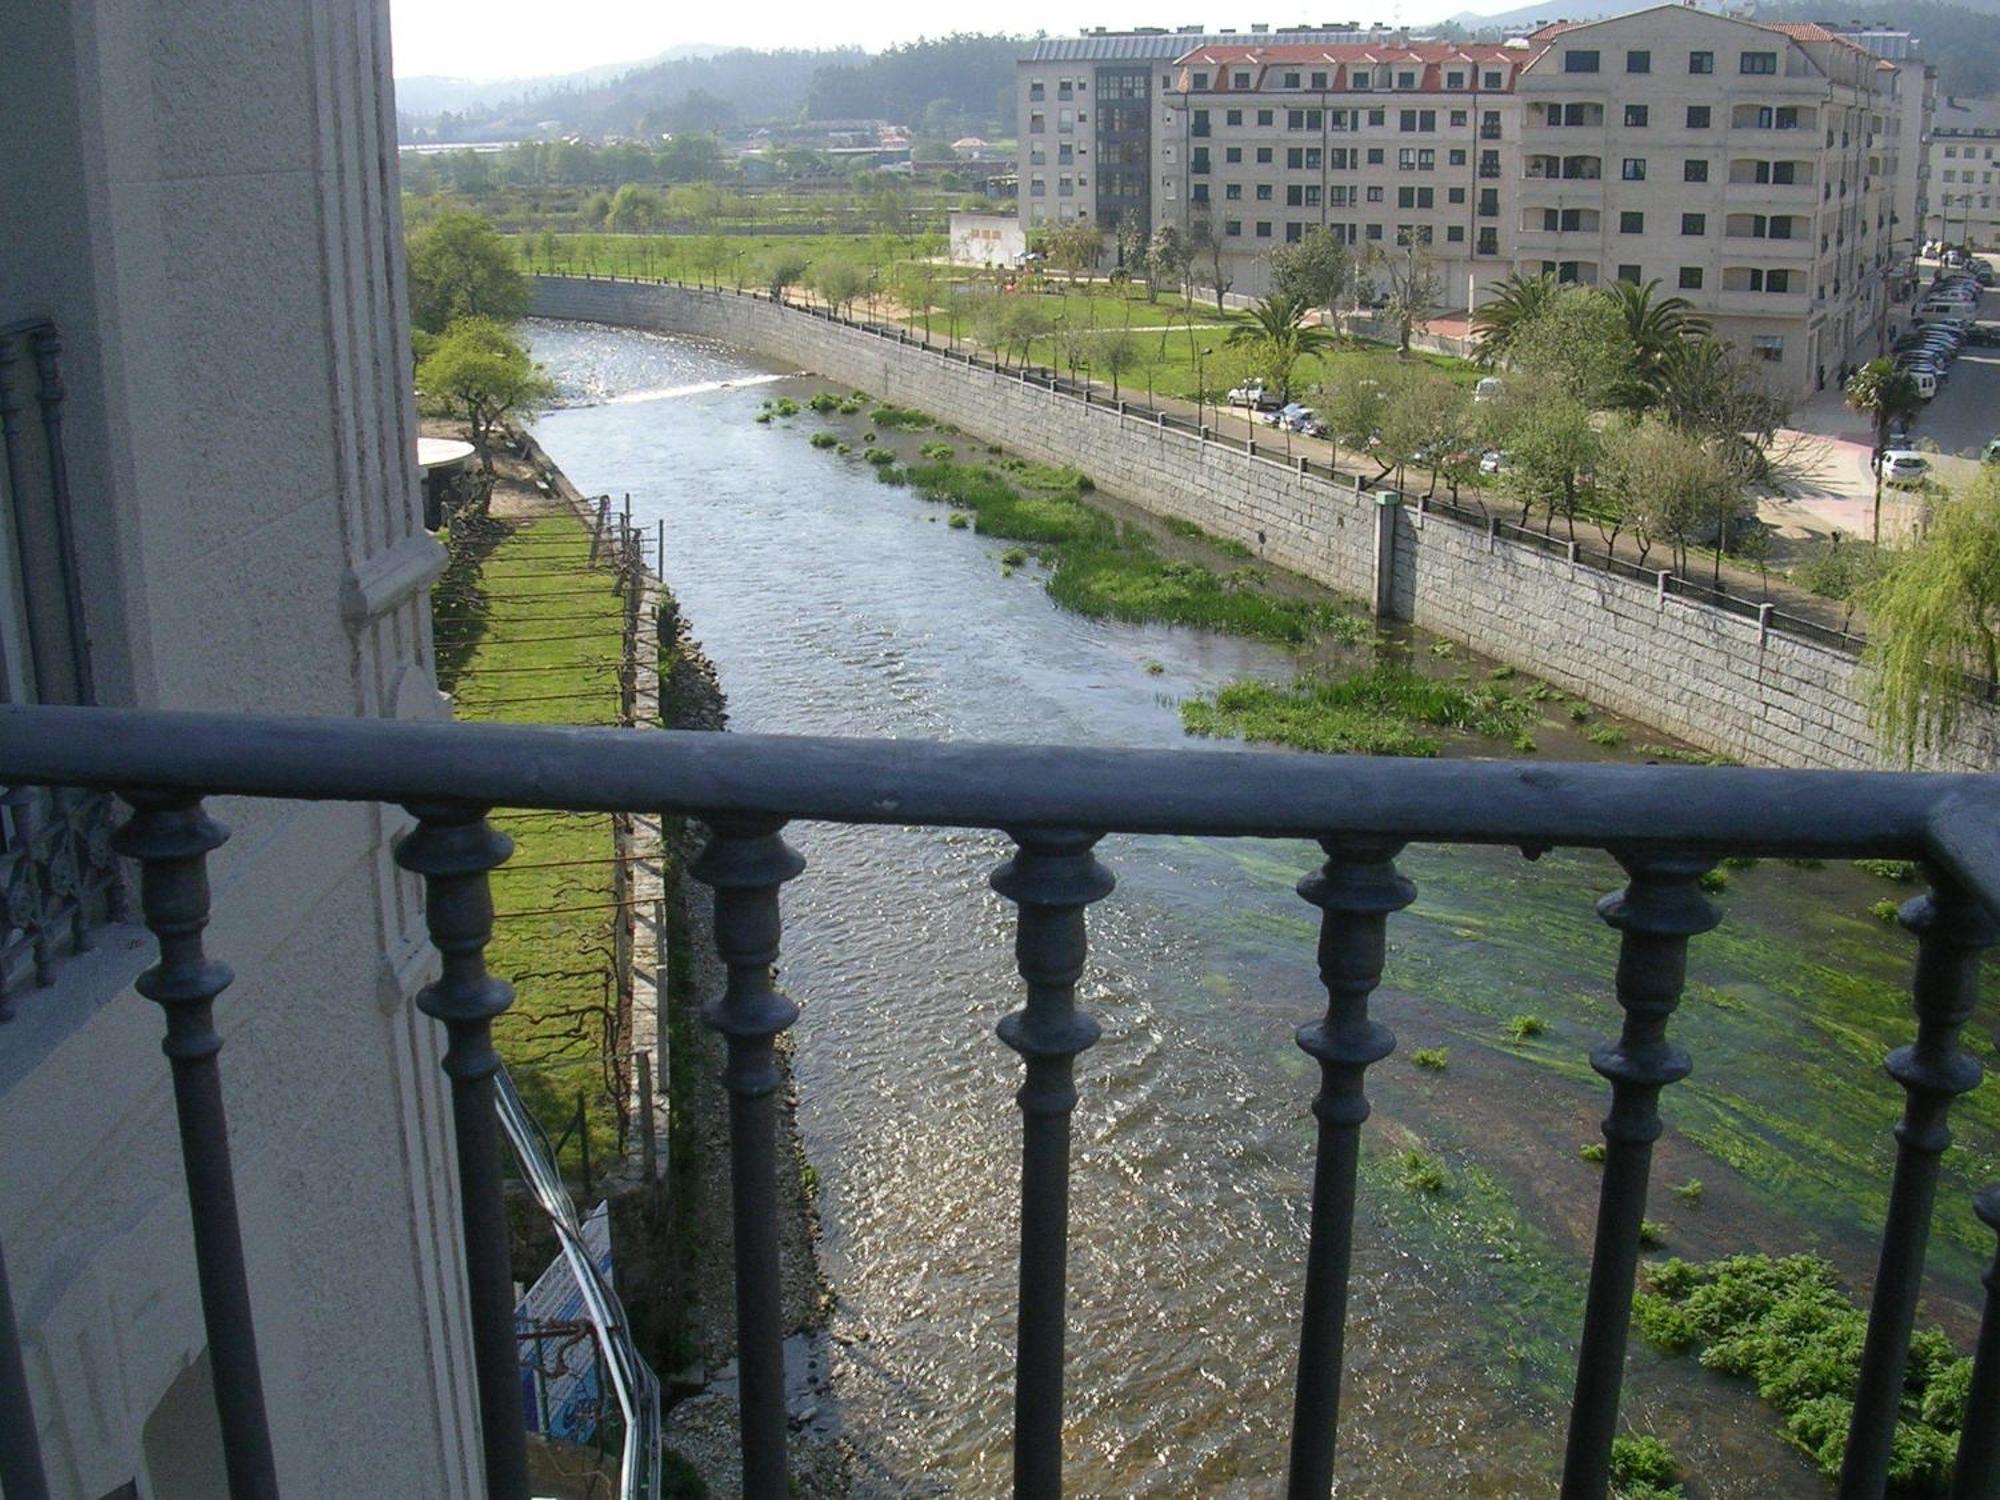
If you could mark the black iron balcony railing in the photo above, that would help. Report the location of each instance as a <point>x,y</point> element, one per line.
<point>1665,825</point>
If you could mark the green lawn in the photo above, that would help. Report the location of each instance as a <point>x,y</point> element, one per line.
<point>508,656</point>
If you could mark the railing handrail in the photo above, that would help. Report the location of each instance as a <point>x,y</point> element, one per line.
<point>998,785</point>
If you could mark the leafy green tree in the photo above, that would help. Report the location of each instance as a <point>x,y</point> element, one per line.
<point>1666,484</point>
<point>1515,302</point>
<point>477,371</point>
<point>1889,396</point>
<point>780,269</point>
<point>1575,341</point>
<point>461,268</point>
<point>1933,619</point>
<point>1169,261</point>
<point>1115,352</point>
<point>1314,271</point>
<point>1704,387</point>
<point>1553,448</point>
<point>1132,242</point>
<point>1279,338</point>
<point>1075,248</point>
<point>915,284</point>
<point>696,203</point>
<point>1206,253</point>
<point>1426,420</point>
<point>1353,406</point>
<point>635,209</point>
<point>838,283</point>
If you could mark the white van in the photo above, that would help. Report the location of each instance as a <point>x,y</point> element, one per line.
<point>1926,383</point>
<point>1937,310</point>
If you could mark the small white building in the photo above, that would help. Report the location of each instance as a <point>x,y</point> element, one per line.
<point>987,239</point>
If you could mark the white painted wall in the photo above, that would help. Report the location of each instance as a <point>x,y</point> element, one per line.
<point>211,216</point>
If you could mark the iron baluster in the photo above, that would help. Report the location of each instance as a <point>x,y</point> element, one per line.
<point>452,848</point>
<point>47,346</point>
<point>1356,889</point>
<point>1052,877</point>
<point>745,863</point>
<point>1659,909</point>
<point>1952,928</point>
<point>1976,1475</point>
<point>21,1474</point>
<point>171,837</point>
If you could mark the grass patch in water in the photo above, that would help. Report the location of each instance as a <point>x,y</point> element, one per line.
<point>1432,1059</point>
<point>1786,1325</point>
<point>1644,1468</point>
<point>879,456</point>
<point>1384,710</point>
<point>937,452</point>
<point>1607,735</point>
<point>1013,557</point>
<point>824,440</point>
<point>903,418</point>
<point>1887,869</point>
<point>825,402</point>
<point>959,520</point>
<point>1884,910</point>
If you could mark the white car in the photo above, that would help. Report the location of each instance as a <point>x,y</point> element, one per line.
<point>1488,389</point>
<point>1494,461</point>
<point>1903,466</point>
<point>1253,394</point>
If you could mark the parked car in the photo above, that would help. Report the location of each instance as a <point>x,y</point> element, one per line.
<point>1495,461</point>
<point>1903,466</point>
<point>1991,453</point>
<point>1986,335</point>
<point>1253,394</point>
<point>1488,389</point>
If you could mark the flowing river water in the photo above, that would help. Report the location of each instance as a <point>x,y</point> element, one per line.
<point>832,604</point>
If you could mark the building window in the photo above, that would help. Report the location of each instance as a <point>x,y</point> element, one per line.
<point>1319,80</point>
<point>1454,195</point>
<point>1065,120</point>
<point>1232,191</point>
<point>1265,117</point>
<point>1036,91</point>
<point>1635,116</point>
<point>1263,192</point>
<point>1291,80</point>
<point>1196,194</point>
<point>1455,80</point>
<point>1232,154</point>
<point>1634,169</point>
<point>1295,196</point>
<point>1200,125</point>
<point>1374,195</point>
<point>1375,156</point>
<point>1374,231</point>
<point>1295,158</point>
<point>1233,228</point>
<point>1242,80</point>
<point>1455,158</point>
<point>1690,278</point>
<point>1698,117</point>
<point>1694,170</point>
<point>1294,231</point>
<point>1760,62</point>
<point>1201,80</point>
<point>1376,117</point>
<point>1694,223</point>
<point>1232,117</point>
<point>1406,120</point>
<point>1768,346</point>
<point>1263,156</point>
<point>1701,62</point>
<point>1638,62</point>
<point>1406,197</point>
<point>1493,80</point>
<point>1454,234</point>
<point>1065,154</point>
<point>1037,187</point>
<point>1037,123</point>
<point>1630,275</point>
<point>1263,229</point>
<point>1427,159</point>
<point>1576,60</point>
<point>1631,223</point>
<point>1460,117</point>
<point>1360,78</point>
<point>1406,159</point>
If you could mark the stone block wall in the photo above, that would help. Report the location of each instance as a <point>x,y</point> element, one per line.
<point>1713,678</point>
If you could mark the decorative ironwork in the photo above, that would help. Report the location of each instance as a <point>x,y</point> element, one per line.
<point>745,863</point>
<point>1356,889</point>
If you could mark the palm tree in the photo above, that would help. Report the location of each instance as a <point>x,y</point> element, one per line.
<point>1515,301</point>
<point>1889,396</point>
<point>1656,328</point>
<point>1275,327</point>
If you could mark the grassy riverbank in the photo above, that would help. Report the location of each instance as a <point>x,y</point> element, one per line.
<point>529,633</point>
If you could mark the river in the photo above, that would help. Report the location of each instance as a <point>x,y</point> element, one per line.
<point>832,604</point>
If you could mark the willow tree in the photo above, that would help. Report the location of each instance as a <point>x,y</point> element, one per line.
<point>1934,626</point>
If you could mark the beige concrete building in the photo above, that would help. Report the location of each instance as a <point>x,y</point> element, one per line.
<point>199,284</point>
<point>1397,148</point>
<point>1964,193</point>
<point>1745,167</point>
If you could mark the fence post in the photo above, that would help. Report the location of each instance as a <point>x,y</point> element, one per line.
<point>1388,507</point>
<point>1304,465</point>
<point>1763,625</point>
<point>1662,595</point>
<point>1250,447</point>
<point>1204,434</point>
<point>1492,532</point>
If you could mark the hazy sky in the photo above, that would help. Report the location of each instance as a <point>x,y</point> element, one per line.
<point>530,38</point>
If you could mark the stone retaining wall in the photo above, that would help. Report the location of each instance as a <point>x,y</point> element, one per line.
<point>1714,678</point>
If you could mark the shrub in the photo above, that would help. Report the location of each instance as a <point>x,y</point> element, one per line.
<point>1884,910</point>
<point>1520,1027</point>
<point>1433,1058</point>
<point>1578,710</point>
<point>1689,1192</point>
<point>1592,1151</point>
<point>849,407</point>
<point>936,452</point>
<point>785,406</point>
<point>1422,1172</point>
<point>1887,869</point>
<point>1739,862</point>
<point>823,440</point>
<point>1785,1324</point>
<point>824,402</point>
<point>1643,1468</point>
<point>1013,557</point>
<point>1662,1323</point>
<point>1714,880</point>
<point>1524,744</point>
<point>879,456</point>
<point>1652,1234</point>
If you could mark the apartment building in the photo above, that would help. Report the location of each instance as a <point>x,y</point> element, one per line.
<point>1398,148</point>
<point>1086,118</point>
<point>1744,166</point>
<point>1964,196</point>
